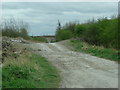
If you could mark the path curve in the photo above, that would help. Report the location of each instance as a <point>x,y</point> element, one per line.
<point>79,70</point>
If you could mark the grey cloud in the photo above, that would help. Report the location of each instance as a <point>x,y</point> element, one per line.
<point>79,6</point>
<point>43,17</point>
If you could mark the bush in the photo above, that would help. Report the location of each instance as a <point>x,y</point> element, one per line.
<point>39,39</point>
<point>23,33</point>
<point>79,29</point>
<point>63,35</point>
<point>14,28</point>
<point>109,34</point>
<point>103,32</point>
<point>92,34</point>
<point>70,26</point>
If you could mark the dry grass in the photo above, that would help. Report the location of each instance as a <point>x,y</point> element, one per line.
<point>100,51</point>
<point>29,70</point>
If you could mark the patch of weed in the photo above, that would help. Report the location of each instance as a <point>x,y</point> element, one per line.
<point>107,53</point>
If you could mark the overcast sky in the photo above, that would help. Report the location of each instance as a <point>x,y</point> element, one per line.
<point>43,17</point>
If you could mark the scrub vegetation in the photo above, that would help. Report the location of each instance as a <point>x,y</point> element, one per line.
<point>100,51</point>
<point>15,28</point>
<point>28,70</point>
<point>22,67</point>
<point>38,39</point>
<point>100,33</point>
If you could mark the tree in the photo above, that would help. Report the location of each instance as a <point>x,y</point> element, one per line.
<point>58,29</point>
<point>59,26</point>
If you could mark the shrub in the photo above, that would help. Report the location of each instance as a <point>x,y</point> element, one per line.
<point>14,28</point>
<point>79,29</point>
<point>39,39</point>
<point>92,34</point>
<point>70,26</point>
<point>63,35</point>
<point>102,32</point>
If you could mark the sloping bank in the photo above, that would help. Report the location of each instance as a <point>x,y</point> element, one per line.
<point>99,51</point>
<point>24,69</point>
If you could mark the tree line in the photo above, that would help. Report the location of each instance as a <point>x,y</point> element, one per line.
<point>101,32</point>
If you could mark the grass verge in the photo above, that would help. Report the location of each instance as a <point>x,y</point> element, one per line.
<point>99,51</point>
<point>29,71</point>
<point>38,39</point>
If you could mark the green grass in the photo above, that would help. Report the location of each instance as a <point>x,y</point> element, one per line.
<point>99,51</point>
<point>38,39</point>
<point>33,72</point>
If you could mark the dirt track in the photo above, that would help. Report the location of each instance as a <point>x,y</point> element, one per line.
<point>79,70</point>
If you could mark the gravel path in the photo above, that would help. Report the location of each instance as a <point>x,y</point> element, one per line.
<point>79,70</point>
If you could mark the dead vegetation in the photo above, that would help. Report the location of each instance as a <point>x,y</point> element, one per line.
<point>22,67</point>
<point>12,48</point>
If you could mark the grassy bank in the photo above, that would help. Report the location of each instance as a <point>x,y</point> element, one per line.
<point>99,51</point>
<point>29,70</point>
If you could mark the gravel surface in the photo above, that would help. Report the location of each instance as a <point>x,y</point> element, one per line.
<point>79,70</point>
